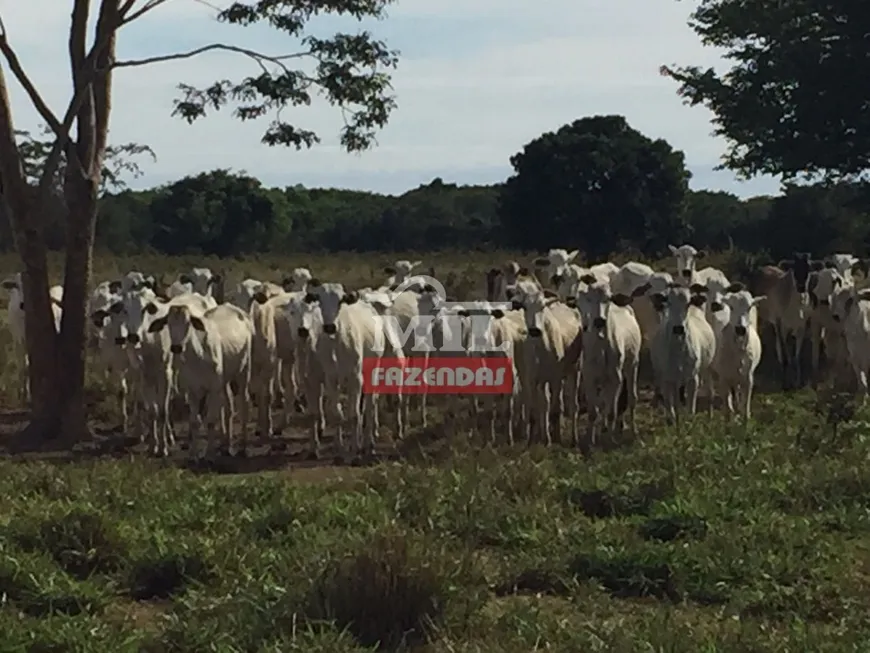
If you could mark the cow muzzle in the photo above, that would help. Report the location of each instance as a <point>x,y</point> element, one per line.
<point>133,339</point>
<point>599,323</point>
<point>678,330</point>
<point>687,274</point>
<point>329,329</point>
<point>740,331</point>
<point>175,349</point>
<point>302,332</point>
<point>120,341</point>
<point>534,332</point>
<point>556,279</point>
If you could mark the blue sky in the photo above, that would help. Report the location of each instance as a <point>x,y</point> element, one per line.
<point>477,80</point>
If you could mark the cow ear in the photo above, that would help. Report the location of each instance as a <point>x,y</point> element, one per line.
<point>350,298</point>
<point>314,283</point>
<point>185,278</point>
<point>588,279</point>
<point>197,323</point>
<point>389,270</point>
<point>785,264</point>
<point>516,306</point>
<point>621,300</point>
<point>700,255</point>
<point>541,262</point>
<point>497,313</point>
<point>758,299</point>
<point>549,294</point>
<point>157,325</point>
<point>830,265</point>
<point>698,288</point>
<point>735,287</point>
<point>698,300</point>
<point>817,265</point>
<point>673,249</point>
<point>641,290</point>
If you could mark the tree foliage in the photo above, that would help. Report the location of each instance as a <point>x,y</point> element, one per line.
<point>794,101</point>
<point>593,184</point>
<point>349,71</point>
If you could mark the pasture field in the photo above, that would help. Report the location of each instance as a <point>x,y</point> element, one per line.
<point>711,537</point>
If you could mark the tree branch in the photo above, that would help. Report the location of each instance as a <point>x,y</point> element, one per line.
<point>77,37</point>
<point>256,56</point>
<point>128,5</point>
<point>17,70</point>
<point>12,181</point>
<point>107,27</point>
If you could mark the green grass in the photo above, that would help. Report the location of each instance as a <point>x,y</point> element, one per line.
<point>714,539</point>
<point>711,538</point>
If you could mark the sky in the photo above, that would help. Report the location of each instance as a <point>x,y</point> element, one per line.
<point>477,80</point>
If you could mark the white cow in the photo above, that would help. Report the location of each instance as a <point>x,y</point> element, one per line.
<point>738,351</point>
<point>555,262</point>
<point>641,282</point>
<point>112,356</point>
<point>297,280</point>
<point>857,329</point>
<point>274,349</point>
<point>687,258</point>
<point>683,348</point>
<point>149,356</point>
<point>844,264</point>
<point>299,325</point>
<point>551,327</point>
<point>15,313</point>
<point>135,280</point>
<point>611,357</point>
<point>822,287</point>
<point>398,272</point>
<point>210,353</point>
<point>498,280</point>
<point>244,294</point>
<point>490,332</point>
<point>203,281</point>
<point>352,332</point>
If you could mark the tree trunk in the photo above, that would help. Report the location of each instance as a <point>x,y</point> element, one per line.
<point>60,414</point>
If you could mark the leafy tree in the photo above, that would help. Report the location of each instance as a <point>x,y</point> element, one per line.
<point>218,213</point>
<point>820,219</point>
<point>348,69</point>
<point>596,184</point>
<point>714,216</point>
<point>794,101</point>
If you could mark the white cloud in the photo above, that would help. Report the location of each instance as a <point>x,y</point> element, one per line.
<point>495,84</point>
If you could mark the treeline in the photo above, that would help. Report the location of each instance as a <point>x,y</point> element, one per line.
<point>595,184</point>
<point>223,214</point>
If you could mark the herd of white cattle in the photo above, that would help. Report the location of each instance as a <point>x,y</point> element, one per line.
<point>578,342</point>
